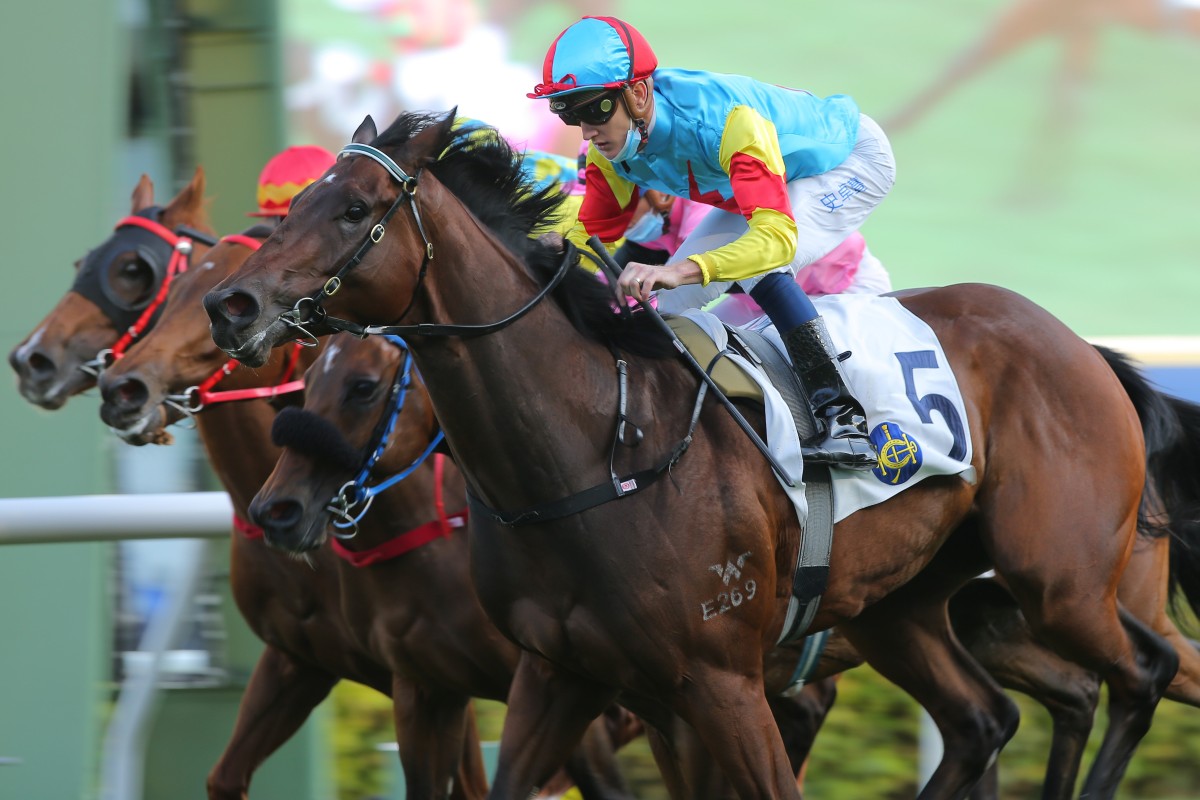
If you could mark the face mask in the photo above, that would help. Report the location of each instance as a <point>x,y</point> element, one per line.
<point>646,229</point>
<point>632,140</point>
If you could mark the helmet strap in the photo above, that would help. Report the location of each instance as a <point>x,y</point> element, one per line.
<point>639,122</point>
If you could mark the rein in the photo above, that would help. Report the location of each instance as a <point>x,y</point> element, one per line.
<point>193,399</point>
<point>308,310</point>
<point>181,244</point>
<point>356,491</point>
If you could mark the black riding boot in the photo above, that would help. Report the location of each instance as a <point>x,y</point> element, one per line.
<point>842,438</point>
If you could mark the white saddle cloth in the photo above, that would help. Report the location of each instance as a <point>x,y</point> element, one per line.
<point>900,374</point>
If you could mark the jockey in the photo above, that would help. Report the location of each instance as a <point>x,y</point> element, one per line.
<point>285,175</point>
<point>790,175</point>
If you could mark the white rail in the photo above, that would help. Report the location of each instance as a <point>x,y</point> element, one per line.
<point>107,518</point>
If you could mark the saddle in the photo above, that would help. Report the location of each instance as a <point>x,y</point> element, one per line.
<point>816,540</point>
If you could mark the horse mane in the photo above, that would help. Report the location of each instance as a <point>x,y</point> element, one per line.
<point>485,174</point>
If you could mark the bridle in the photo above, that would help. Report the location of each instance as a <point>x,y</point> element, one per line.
<point>180,243</point>
<point>194,399</point>
<point>308,310</point>
<point>356,491</point>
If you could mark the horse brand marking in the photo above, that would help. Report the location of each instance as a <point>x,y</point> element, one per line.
<point>730,573</point>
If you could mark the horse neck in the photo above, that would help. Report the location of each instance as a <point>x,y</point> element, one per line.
<point>550,392</point>
<point>237,438</point>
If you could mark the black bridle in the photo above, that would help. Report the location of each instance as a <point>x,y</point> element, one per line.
<point>308,310</point>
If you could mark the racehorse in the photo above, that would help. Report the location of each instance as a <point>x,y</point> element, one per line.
<point>608,600</point>
<point>113,284</point>
<point>351,397</point>
<point>408,627</point>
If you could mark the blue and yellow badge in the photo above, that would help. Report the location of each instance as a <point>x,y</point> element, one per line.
<point>899,454</point>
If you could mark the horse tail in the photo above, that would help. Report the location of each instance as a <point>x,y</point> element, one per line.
<point>1171,501</point>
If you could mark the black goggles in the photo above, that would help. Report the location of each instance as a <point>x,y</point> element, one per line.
<point>596,111</point>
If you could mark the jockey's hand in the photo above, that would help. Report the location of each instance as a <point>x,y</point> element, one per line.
<point>639,280</point>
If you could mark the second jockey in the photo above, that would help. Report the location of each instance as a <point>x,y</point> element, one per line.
<point>791,176</point>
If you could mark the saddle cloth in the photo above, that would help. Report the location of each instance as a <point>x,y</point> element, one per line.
<point>900,374</point>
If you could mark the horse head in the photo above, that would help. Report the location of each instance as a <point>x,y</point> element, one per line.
<point>366,421</point>
<point>293,283</point>
<point>157,383</point>
<point>114,285</point>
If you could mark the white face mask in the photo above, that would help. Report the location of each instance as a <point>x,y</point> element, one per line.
<point>646,229</point>
<point>632,139</point>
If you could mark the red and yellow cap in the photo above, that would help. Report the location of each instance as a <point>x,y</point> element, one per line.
<point>286,174</point>
<point>595,53</point>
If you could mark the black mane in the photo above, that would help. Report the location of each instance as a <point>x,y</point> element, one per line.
<point>484,172</point>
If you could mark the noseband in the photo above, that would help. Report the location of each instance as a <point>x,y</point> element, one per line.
<point>308,310</point>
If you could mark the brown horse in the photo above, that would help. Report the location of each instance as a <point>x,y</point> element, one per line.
<point>113,284</point>
<point>609,600</point>
<point>425,621</point>
<point>349,395</point>
<point>410,628</point>
<point>347,399</point>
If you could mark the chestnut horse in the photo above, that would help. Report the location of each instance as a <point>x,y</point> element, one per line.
<point>409,627</point>
<point>607,600</point>
<point>114,283</point>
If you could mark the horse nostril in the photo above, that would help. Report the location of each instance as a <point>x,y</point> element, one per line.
<point>40,365</point>
<point>239,305</point>
<point>32,364</point>
<point>280,515</point>
<point>128,394</point>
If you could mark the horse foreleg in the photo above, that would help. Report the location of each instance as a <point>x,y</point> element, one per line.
<point>472,772</point>
<point>548,712</point>
<point>430,730</point>
<point>800,717</point>
<point>279,697</point>
<point>593,765</point>
<point>730,713</point>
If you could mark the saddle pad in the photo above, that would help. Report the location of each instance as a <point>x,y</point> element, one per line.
<point>900,374</point>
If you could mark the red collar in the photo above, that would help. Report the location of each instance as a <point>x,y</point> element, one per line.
<point>398,546</point>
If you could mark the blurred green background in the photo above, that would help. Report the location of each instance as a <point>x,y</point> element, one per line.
<point>1085,199</point>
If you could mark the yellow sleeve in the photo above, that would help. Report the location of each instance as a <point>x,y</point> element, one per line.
<point>751,157</point>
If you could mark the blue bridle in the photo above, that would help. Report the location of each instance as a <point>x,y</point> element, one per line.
<point>356,491</point>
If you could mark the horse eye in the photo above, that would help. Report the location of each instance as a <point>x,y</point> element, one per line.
<point>356,212</point>
<point>361,389</point>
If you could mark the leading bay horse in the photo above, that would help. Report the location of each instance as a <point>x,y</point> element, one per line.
<point>519,349</point>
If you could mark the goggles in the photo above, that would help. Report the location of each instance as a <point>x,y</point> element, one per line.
<point>595,111</point>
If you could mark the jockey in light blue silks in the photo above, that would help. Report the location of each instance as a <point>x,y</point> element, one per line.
<point>790,175</point>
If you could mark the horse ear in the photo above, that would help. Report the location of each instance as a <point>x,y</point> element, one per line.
<point>143,194</point>
<point>428,143</point>
<point>192,195</point>
<point>366,132</point>
<point>187,207</point>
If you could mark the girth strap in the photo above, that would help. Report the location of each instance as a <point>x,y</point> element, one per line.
<point>811,577</point>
